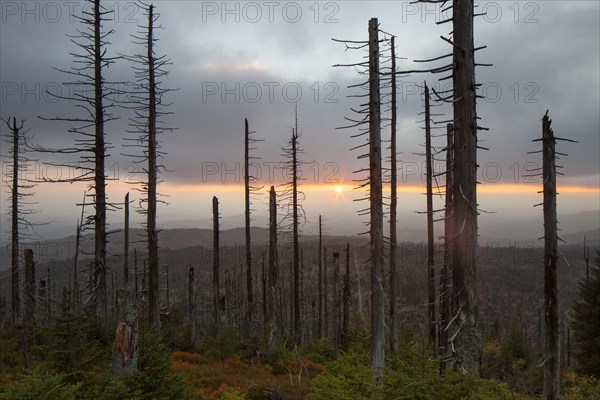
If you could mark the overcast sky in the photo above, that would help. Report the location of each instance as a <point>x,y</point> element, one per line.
<point>258,60</point>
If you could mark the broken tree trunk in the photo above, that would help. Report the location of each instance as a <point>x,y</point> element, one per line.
<point>551,348</point>
<point>125,350</point>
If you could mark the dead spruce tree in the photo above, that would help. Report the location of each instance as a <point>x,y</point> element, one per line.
<point>147,103</point>
<point>216,296</point>
<point>291,198</point>
<point>249,190</point>
<point>465,337</point>
<point>273,319</point>
<point>431,293</point>
<point>370,115</point>
<point>551,310</point>
<point>21,207</point>
<point>346,303</point>
<point>320,291</point>
<point>393,202</point>
<point>445,276</point>
<point>91,93</point>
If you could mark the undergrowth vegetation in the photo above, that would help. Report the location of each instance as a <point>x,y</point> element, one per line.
<point>72,360</point>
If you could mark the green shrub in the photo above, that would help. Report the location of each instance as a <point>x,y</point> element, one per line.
<point>40,385</point>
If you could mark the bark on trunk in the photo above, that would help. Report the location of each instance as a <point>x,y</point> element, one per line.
<point>467,335</point>
<point>376,204</point>
<point>153,294</point>
<point>14,271</point>
<point>346,303</point>
<point>431,314</point>
<point>445,287</point>
<point>393,209</point>
<point>552,343</point>
<point>100,294</point>
<point>216,258</point>
<point>249,286</point>
<point>29,286</point>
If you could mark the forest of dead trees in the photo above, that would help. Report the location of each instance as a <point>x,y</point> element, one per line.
<point>279,285</point>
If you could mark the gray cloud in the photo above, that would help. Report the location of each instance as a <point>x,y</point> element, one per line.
<point>549,64</point>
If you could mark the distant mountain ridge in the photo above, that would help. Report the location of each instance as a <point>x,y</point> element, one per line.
<point>180,238</point>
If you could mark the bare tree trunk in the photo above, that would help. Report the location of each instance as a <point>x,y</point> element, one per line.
<point>76,257</point>
<point>168,289</point>
<point>29,286</point>
<point>126,244</point>
<point>468,340</point>
<point>346,323</point>
<point>320,255</point>
<point>393,209</point>
<point>191,306</point>
<point>326,294</point>
<point>431,314</point>
<point>297,333</point>
<point>125,350</point>
<point>100,266</point>
<point>336,303</point>
<point>272,284</point>
<point>135,276</point>
<point>14,271</point>
<point>552,346</point>
<point>445,288</point>
<point>216,259</point>
<point>586,257</point>
<point>153,295</point>
<point>249,287</point>
<point>376,205</point>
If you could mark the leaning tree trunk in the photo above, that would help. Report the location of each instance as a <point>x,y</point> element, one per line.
<point>376,204</point>
<point>467,338</point>
<point>551,348</point>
